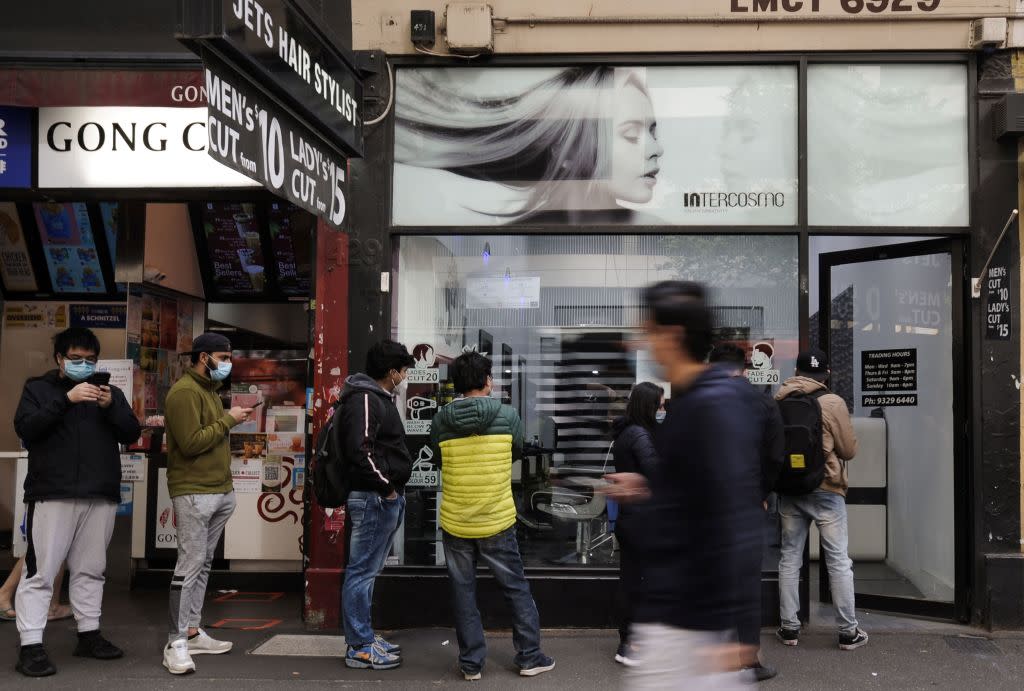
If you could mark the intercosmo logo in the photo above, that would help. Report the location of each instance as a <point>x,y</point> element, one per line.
<point>734,200</point>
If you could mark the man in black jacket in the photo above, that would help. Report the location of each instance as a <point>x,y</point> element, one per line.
<point>772,443</point>
<point>71,429</point>
<point>703,508</point>
<point>372,440</point>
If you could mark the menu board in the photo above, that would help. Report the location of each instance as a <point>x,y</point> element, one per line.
<point>15,265</point>
<point>234,249</point>
<point>291,236</point>
<point>70,248</point>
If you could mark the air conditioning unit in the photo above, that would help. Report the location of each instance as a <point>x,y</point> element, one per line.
<point>468,28</point>
<point>1008,116</point>
<point>989,32</point>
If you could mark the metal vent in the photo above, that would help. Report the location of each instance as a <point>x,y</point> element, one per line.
<point>1008,116</point>
<point>973,645</point>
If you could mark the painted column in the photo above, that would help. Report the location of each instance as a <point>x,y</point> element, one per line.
<point>325,535</point>
<point>1017,66</point>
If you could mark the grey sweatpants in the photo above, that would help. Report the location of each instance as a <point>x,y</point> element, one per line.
<point>673,658</point>
<point>201,519</point>
<point>78,530</point>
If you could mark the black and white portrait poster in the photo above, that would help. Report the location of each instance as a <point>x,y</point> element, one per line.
<point>674,145</point>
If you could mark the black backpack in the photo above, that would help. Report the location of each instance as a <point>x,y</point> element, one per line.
<point>329,473</point>
<point>804,467</point>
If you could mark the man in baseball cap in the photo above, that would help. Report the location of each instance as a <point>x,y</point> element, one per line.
<point>199,482</point>
<point>812,487</point>
<point>813,362</point>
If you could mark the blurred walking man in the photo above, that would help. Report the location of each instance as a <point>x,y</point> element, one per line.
<point>771,442</point>
<point>704,506</point>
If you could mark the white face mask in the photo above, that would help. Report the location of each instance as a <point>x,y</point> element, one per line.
<point>401,386</point>
<point>660,416</point>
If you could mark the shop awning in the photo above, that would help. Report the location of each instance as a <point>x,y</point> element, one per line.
<point>39,88</point>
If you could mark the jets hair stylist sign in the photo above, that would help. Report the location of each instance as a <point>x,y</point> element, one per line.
<point>283,99</point>
<point>277,37</point>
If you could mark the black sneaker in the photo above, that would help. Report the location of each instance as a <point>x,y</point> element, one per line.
<point>761,672</point>
<point>92,644</point>
<point>788,636</point>
<point>34,662</point>
<point>853,641</point>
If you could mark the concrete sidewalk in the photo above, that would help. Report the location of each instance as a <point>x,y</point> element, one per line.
<point>902,654</point>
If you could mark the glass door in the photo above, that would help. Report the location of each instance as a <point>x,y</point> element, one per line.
<point>891,321</point>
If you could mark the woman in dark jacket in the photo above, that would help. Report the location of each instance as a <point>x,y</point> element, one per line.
<point>633,451</point>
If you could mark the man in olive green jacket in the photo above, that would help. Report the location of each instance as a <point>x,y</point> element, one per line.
<point>199,482</point>
<point>475,437</point>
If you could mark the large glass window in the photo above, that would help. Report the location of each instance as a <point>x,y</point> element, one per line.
<point>559,316</point>
<point>680,145</point>
<point>887,145</point>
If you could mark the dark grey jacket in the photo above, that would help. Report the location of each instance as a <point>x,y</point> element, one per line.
<point>372,437</point>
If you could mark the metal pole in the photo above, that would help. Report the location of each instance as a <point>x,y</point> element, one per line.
<point>976,282</point>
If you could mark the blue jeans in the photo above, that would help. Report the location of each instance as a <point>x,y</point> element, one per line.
<point>501,554</point>
<point>374,521</point>
<point>828,511</point>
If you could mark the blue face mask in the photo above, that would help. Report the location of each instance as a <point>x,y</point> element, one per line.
<point>221,372</point>
<point>660,416</point>
<point>79,370</point>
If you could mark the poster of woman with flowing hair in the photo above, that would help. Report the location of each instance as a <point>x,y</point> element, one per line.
<point>568,149</point>
<point>590,145</point>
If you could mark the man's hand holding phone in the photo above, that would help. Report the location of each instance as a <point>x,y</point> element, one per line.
<point>85,392</point>
<point>105,398</point>
<point>239,413</point>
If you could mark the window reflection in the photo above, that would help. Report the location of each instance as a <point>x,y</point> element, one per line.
<point>560,317</point>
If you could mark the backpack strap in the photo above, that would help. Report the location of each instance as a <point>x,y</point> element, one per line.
<point>814,394</point>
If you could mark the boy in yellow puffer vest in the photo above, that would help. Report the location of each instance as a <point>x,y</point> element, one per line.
<point>476,437</point>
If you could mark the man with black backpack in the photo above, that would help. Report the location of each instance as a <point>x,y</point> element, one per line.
<point>812,487</point>
<point>372,450</point>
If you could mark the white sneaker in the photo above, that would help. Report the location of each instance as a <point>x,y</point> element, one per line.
<point>176,658</point>
<point>204,645</point>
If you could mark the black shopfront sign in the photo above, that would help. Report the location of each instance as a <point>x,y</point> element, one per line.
<point>283,100</point>
<point>263,141</point>
<point>998,307</point>
<point>276,43</point>
<point>890,376</point>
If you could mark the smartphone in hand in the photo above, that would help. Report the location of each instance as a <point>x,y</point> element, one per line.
<point>99,379</point>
